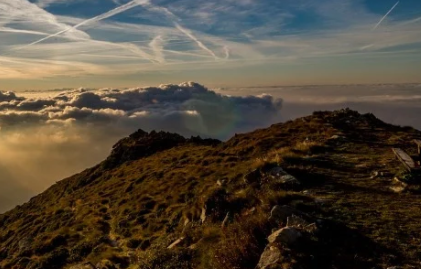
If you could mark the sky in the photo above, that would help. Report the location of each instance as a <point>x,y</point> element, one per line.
<point>48,44</point>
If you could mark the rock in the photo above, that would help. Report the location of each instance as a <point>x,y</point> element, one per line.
<point>278,174</point>
<point>176,242</point>
<point>203,215</point>
<point>398,189</point>
<point>311,228</point>
<point>250,211</point>
<point>105,264</point>
<point>281,213</point>
<point>25,244</point>
<point>271,256</point>
<point>86,265</point>
<point>287,235</point>
<point>252,177</point>
<point>276,171</point>
<point>374,174</point>
<point>295,221</point>
<point>288,179</point>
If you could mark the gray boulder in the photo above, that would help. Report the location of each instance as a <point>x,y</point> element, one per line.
<point>271,256</point>
<point>287,236</point>
<point>278,174</point>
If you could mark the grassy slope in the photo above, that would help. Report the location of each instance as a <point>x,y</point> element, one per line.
<point>129,213</point>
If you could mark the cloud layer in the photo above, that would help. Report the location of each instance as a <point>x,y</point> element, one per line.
<point>45,138</point>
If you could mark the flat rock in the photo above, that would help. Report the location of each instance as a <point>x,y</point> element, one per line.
<point>86,265</point>
<point>287,235</point>
<point>176,242</point>
<point>271,256</point>
<point>279,174</point>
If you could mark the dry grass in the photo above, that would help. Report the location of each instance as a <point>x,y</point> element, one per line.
<point>130,213</point>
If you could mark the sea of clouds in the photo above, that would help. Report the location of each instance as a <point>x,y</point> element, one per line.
<point>46,136</point>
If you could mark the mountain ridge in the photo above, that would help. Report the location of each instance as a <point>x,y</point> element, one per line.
<point>156,188</point>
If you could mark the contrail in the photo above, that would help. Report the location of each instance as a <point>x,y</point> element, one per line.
<point>192,37</point>
<point>157,47</point>
<point>385,16</point>
<point>103,16</point>
<point>183,30</point>
<point>227,52</point>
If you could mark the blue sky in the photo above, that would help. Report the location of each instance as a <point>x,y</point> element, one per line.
<point>118,43</point>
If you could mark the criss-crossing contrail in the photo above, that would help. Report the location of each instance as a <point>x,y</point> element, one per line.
<point>103,16</point>
<point>189,34</point>
<point>385,16</point>
<point>183,30</point>
<point>120,9</point>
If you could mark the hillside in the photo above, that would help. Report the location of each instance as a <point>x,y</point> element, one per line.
<point>164,201</point>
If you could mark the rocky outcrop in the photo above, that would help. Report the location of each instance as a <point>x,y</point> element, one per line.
<point>287,236</point>
<point>271,256</point>
<point>142,144</point>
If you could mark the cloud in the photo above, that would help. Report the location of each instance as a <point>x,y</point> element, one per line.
<point>385,16</point>
<point>155,103</point>
<point>46,137</point>
<point>98,18</point>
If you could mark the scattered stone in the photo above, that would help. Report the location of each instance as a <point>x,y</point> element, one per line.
<point>277,171</point>
<point>86,265</point>
<point>337,137</point>
<point>282,177</point>
<point>397,189</point>
<point>311,228</point>
<point>177,242</point>
<point>271,256</point>
<point>203,215</point>
<point>105,264</point>
<point>374,174</point>
<point>287,235</point>
<point>25,244</point>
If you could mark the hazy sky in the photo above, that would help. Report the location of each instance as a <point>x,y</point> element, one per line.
<point>118,43</point>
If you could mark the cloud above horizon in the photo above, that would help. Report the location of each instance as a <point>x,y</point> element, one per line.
<point>47,137</point>
<point>67,40</point>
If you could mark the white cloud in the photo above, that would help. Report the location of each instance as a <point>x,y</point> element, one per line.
<point>48,137</point>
